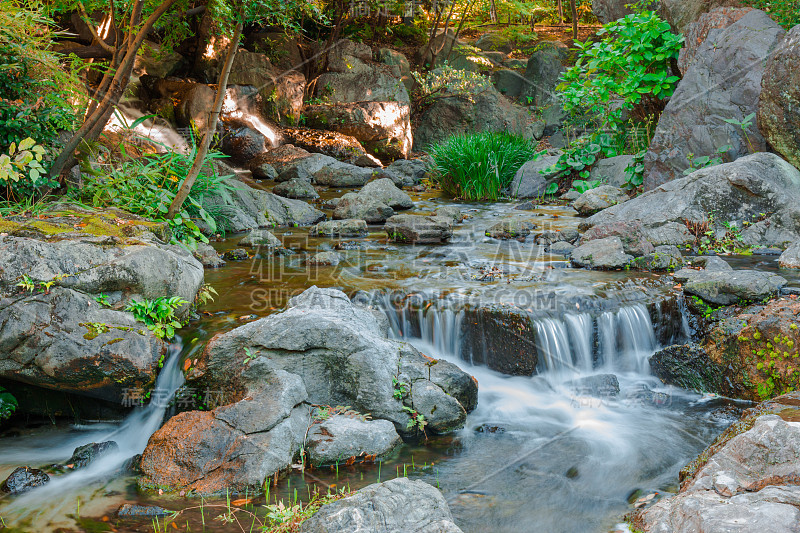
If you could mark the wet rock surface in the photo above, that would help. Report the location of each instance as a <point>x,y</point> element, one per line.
<point>24,479</point>
<point>419,229</point>
<point>396,505</point>
<point>607,253</point>
<point>340,437</point>
<point>744,481</point>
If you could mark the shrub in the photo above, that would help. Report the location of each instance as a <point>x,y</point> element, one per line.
<point>8,404</point>
<point>629,71</point>
<point>37,97</point>
<point>784,12</point>
<point>158,315</point>
<point>479,166</point>
<point>146,186</point>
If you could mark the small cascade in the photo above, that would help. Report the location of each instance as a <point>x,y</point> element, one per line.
<point>131,436</point>
<point>618,340</point>
<point>158,131</point>
<point>238,106</point>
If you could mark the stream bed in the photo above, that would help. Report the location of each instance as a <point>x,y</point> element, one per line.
<point>540,453</point>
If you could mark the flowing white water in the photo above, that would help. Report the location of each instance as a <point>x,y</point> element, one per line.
<point>157,131</point>
<point>50,500</point>
<point>542,454</point>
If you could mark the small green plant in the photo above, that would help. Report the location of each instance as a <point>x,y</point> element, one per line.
<point>698,163</point>
<point>480,166</point>
<point>248,356</point>
<point>581,186</point>
<point>744,124</point>
<point>416,420</point>
<point>400,388</point>
<point>96,328</point>
<point>158,315</point>
<point>26,283</point>
<point>629,71</point>
<point>784,12</point>
<point>634,172</point>
<point>102,299</point>
<point>8,404</point>
<point>205,294</point>
<point>23,162</point>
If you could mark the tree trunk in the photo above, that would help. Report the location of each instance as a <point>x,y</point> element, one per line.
<point>493,11</point>
<point>574,6</point>
<point>211,127</point>
<point>108,100</point>
<point>560,12</point>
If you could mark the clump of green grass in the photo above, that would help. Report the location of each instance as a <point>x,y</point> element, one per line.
<point>479,166</point>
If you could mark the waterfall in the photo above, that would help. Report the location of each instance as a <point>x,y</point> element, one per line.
<point>131,436</point>
<point>621,340</point>
<point>156,130</point>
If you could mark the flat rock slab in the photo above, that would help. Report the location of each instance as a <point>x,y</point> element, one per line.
<point>726,288</point>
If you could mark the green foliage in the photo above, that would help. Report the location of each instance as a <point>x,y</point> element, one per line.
<point>634,172</point>
<point>146,186</point>
<point>22,169</point>
<point>400,389</point>
<point>102,299</point>
<point>205,294</point>
<point>479,166</point>
<point>784,12</point>
<point>581,186</point>
<point>447,81</point>
<point>8,404</point>
<point>158,315</point>
<point>627,71</point>
<point>37,97</point>
<point>416,420</point>
<point>697,163</point>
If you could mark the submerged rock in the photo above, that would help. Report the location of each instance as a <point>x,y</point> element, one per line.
<point>695,119</point>
<point>389,507</point>
<point>24,479</point>
<point>607,253</point>
<point>511,229</point>
<point>324,259</point>
<point>260,237</point>
<point>351,227</point>
<point>296,188</point>
<point>419,229</point>
<point>85,455</point>
<point>132,510</point>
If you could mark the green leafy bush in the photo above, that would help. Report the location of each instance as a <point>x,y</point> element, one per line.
<point>479,166</point>
<point>22,170</point>
<point>784,12</point>
<point>147,185</point>
<point>627,72</point>
<point>37,97</point>
<point>158,315</point>
<point>8,404</point>
<point>446,81</point>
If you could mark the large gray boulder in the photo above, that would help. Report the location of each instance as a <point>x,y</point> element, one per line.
<point>790,258</point>
<point>744,485</point>
<point>603,254</point>
<point>233,447</point>
<point>532,179</point>
<point>779,107</point>
<point>487,110</point>
<point>707,26</point>
<point>612,170</point>
<point>340,437</point>
<point>726,288</point>
<point>351,227</point>
<point>632,234</point>
<point>759,193</point>
<point>694,120</point>
<point>248,208</point>
<point>64,340</point>
<point>419,229</point>
<point>56,335</point>
<point>397,506</point>
<point>296,188</point>
<point>341,352</point>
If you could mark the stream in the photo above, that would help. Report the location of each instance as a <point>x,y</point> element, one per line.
<point>540,453</point>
